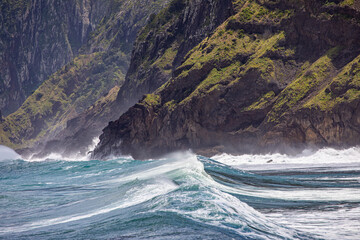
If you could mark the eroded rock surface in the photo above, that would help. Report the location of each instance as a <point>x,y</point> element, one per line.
<point>274,75</point>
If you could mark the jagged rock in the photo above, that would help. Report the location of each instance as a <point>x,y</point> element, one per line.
<point>46,116</point>
<point>276,75</point>
<point>37,39</point>
<point>164,42</point>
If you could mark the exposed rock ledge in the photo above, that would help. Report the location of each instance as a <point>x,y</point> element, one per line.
<point>275,76</point>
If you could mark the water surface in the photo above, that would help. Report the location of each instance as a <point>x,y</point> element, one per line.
<point>315,195</point>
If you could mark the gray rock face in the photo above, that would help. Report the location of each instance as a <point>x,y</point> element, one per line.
<point>185,26</point>
<point>192,22</point>
<point>280,80</point>
<point>38,37</point>
<point>111,43</point>
<point>188,24</point>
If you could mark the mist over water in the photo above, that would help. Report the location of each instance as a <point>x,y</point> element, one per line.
<point>314,195</point>
<point>8,154</point>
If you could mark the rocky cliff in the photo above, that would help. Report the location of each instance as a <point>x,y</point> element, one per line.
<point>38,37</point>
<point>100,66</point>
<point>164,42</point>
<point>150,67</point>
<point>274,75</point>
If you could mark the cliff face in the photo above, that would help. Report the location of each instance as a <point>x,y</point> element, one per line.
<point>150,65</point>
<point>86,80</point>
<point>80,131</point>
<point>38,37</point>
<point>164,42</point>
<point>274,75</point>
<point>328,116</point>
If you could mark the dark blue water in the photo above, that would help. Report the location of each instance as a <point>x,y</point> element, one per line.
<point>183,197</point>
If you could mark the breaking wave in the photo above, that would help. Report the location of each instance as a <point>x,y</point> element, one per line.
<point>315,195</point>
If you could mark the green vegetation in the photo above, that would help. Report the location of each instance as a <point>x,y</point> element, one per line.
<point>85,80</point>
<point>309,81</point>
<point>164,62</point>
<point>229,54</point>
<point>345,87</point>
<point>171,105</point>
<point>213,80</point>
<point>249,49</point>
<point>224,58</point>
<point>64,95</point>
<point>112,26</point>
<point>263,101</point>
<point>151,100</point>
<point>102,106</point>
<point>347,3</point>
<point>159,21</point>
<point>252,11</point>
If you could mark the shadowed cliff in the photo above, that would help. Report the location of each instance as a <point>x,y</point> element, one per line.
<point>87,80</point>
<point>275,75</point>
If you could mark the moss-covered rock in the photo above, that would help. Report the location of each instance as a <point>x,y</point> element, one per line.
<point>265,78</point>
<point>37,39</point>
<point>163,44</point>
<point>68,93</point>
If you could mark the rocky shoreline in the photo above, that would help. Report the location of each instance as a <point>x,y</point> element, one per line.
<point>273,76</point>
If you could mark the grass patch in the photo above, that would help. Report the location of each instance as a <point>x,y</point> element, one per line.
<point>345,87</point>
<point>151,100</point>
<point>307,82</point>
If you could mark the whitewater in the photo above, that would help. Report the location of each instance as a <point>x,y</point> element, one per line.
<point>312,195</point>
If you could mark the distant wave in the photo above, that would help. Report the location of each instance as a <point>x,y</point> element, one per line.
<point>71,158</point>
<point>314,195</point>
<point>8,154</point>
<point>308,157</point>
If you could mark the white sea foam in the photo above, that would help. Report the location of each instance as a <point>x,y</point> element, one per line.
<point>226,211</point>
<point>212,205</point>
<point>321,158</point>
<point>172,162</point>
<point>333,222</point>
<point>337,224</point>
<point>8,154</point>
<point>133,197</point>
<point>186,189</point>
<point>328,194</point>
<point>76,157</point>
<point>60,157</point>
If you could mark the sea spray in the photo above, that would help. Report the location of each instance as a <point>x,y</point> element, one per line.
<point>8,154</point>
<point>182,196</point>
<point>65,157</point>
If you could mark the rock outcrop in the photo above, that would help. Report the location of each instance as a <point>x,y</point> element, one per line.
<point>274,75</point>
<point>145,73</point>
<point>164,42</point>
<point>77,88</point>
<point>38,37</point>
<point>80,131</point>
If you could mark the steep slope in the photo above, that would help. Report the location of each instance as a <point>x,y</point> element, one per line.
<point>275,74</point>
<point>37,39</point>
<point>150,67</point>
<point>164,42</point>
<point>80,131</point>
<point>101,66</point>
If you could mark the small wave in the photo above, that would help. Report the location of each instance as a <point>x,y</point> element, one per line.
<point>77,157</point>
<point>184,194</point>
<point>8,154</point>
<point>60,157</point>
<point>234,180</point>
<point>132,198</point>
<point>309,157</point>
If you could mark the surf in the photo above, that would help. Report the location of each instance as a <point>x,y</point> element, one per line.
<point>183,196</point>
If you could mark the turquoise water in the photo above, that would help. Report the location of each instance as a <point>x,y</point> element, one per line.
<point>315,195</point>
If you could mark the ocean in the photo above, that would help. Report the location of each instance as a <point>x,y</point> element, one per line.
<point>312,195</point>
